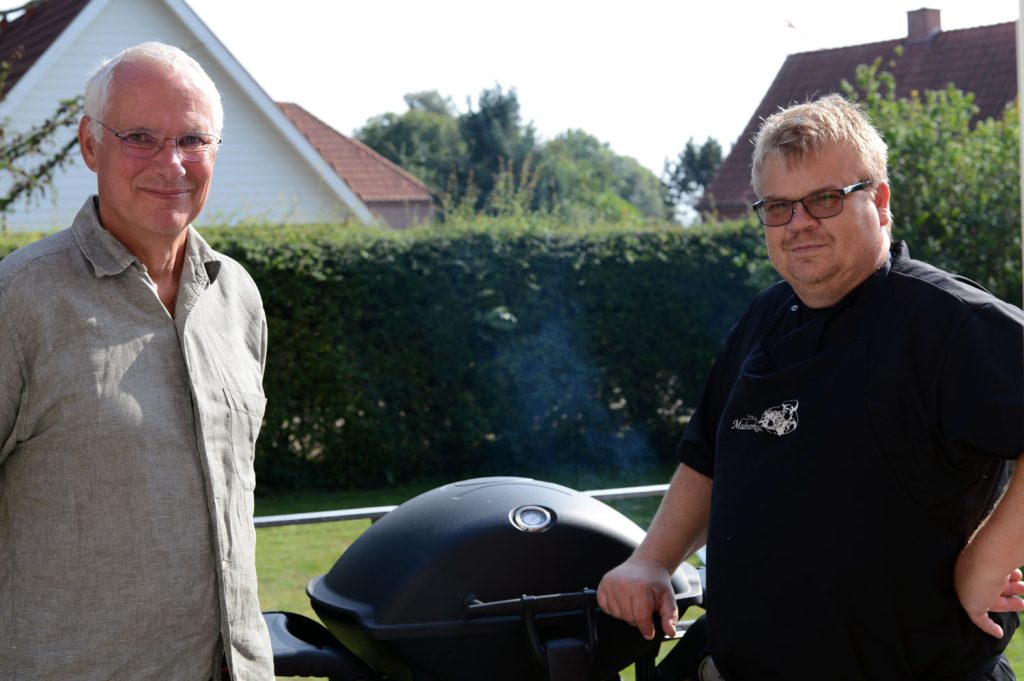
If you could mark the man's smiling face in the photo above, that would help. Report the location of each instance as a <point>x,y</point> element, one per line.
<point>154,198</point>
<point>824,259</point>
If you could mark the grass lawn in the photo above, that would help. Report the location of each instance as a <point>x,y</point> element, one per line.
<point>288,557</point>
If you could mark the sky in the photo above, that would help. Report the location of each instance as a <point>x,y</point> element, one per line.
<point>643,77</point>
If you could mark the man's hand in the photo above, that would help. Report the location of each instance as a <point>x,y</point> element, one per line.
<point>981,594</point>
<point>986,575</point>
<point>637,590</point>
<point>641,587</point>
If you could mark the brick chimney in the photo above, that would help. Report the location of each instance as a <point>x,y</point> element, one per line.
<point>923,24</point>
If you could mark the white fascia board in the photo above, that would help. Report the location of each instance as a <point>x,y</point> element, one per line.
<point>266,105</point>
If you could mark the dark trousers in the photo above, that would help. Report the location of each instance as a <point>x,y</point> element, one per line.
<point>1001,671</point>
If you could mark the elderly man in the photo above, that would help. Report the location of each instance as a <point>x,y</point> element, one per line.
<point>131,363</point>
<point>852,440</point>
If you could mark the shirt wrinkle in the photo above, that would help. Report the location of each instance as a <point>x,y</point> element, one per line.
<point>126,494</point>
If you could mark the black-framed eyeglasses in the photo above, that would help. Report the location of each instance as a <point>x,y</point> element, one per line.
<point>823,204</point>
<point>191,146</point>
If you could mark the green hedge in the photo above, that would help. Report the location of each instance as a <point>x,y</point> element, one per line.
<point>438,354</point>
<point>441,355</point>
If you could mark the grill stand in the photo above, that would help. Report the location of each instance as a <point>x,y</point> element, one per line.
<point>564,659</point>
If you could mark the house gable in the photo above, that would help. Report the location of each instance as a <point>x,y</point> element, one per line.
<point>980,60</point>
<point>266,170</point>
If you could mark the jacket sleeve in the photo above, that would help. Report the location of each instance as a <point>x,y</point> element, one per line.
<point>981,389</point>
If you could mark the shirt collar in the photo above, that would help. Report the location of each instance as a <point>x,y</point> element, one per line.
<point>899,251</point>
<point>203,261</point>
<point>105,253</point>
<point>109,257</point>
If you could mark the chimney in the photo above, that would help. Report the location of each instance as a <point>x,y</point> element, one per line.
<point>923,24</point>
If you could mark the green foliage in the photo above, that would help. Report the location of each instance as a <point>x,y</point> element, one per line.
<point>485,349</point>
<point>685,180</point>
<point>425,142</point>
<point>12,240</point>
<point>495,140</point>
<point>582,180</point>
<point>467,157</point>
<point>955,183</point>
<point>28,158</point>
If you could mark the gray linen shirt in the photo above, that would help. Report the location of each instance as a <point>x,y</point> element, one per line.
<point>127,547</point>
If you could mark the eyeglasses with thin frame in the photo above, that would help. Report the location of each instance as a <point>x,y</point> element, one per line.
<point>191,146</point>
<point>821,204</point>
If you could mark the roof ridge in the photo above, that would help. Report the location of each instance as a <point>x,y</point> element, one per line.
<point>904,40</point>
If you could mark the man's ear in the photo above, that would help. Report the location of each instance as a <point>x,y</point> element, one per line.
<point>87,143</point>
<point>882,205</point>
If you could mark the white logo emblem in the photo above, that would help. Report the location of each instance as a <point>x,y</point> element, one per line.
<point>779,420</point>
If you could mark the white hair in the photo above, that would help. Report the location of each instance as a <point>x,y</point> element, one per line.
<point>100,83</point>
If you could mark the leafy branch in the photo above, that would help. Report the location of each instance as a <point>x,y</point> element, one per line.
<point>28,159</point>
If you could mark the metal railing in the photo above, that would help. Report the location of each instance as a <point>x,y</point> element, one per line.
<point>375,512</point>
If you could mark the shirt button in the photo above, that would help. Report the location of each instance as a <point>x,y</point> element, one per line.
<point>794,308</point>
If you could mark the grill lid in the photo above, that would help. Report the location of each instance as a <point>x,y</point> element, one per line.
<point>426,567</point>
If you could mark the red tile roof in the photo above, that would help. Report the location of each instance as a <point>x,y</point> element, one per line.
<point>372,177</point>
<point>981,60</point>
<point>32,32</point>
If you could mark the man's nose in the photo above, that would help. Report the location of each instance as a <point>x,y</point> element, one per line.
<point>170,154</point>
<point>801,218</point>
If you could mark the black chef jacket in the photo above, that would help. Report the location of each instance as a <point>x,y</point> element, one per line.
<point>853,450</point>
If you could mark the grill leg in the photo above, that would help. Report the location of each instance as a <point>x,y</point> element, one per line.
<point>645,668</point>
<point>568,659</point>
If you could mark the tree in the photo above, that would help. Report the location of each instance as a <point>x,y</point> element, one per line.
<point>456,155</point>
<point>495,140</point>
<point>425,140</point>
<point>430,101</point>
<point>955,182</point>
<point>582,179</point>
<point>685,179</point>
<point>486,160</point>
<point>29,158</point>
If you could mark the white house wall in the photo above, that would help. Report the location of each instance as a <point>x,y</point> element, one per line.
<point>259,175</point>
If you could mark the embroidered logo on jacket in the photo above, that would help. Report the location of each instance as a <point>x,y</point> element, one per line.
<point>778,420</point>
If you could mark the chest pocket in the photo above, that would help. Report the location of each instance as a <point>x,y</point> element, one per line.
<point>244,419</point>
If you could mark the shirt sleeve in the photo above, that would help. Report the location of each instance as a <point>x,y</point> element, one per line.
<point>981,390</point>
<point>11,383</point>
<point>697,447</point>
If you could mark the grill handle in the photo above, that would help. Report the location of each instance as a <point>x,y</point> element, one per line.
<point>564,659</point>
<point>577,600</point>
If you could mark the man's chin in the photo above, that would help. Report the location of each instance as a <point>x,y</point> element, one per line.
<point>169,223</point>
<point>807,274</point>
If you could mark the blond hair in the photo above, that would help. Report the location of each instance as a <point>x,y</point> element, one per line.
<point>804,131</point>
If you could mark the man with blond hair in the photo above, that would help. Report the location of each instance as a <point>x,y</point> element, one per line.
<point>131,365</point>
<point>847,458</point>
